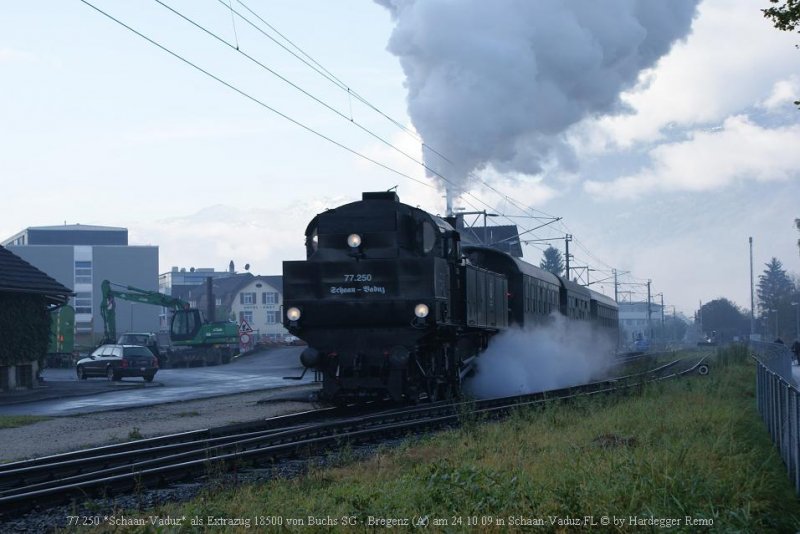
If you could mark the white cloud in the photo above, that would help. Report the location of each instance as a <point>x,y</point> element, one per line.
<point>783,94</point>
<point>711,159</point>
<point>728,63</point>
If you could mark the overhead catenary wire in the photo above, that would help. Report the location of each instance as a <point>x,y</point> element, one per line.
<point>326,73</point>
<point>315,65</point>
<point>256,100</point>
<point>320,69</point>
<point>309,95</point>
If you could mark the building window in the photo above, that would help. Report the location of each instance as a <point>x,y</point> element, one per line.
<point>269,297</point>
<point>219,301</point>
<point>83,272</point>
<point>246,316</point>
<point>83,302</point>
<point>272,317</point>
<point>247,298</point>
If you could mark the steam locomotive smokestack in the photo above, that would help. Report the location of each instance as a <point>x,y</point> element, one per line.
<point>210,307</point>
<point>449,197</point>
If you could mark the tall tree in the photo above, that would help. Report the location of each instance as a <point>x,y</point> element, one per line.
<point>725,318</point>
<point>785,17</point>
<point>775,293</point>
<point>552,261</point>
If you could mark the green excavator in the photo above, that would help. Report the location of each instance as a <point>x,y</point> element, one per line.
<point>196,340</point>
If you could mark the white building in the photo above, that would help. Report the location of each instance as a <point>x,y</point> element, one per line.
<point>256,300</point>
<point>634,322</point>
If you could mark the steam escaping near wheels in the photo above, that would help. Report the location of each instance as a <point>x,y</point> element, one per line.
<point>561,354</point>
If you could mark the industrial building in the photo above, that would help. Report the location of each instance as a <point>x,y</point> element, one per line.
<point>80,257</point>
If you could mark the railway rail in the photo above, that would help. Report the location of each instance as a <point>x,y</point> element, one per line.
<point>156,462</point>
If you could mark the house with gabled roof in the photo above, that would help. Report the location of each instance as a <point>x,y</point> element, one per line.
<point>27,296</point>
<point>244,298</point>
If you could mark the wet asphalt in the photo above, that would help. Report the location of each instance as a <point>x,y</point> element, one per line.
<point>61,393</point>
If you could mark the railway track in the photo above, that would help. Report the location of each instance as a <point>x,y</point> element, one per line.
<point>157,462</point>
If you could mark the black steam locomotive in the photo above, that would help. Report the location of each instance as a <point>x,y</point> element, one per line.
<point>392,303</point>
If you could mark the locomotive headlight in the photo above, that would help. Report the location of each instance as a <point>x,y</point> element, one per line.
<point>354,240</point>
<point>293,313</point>
<point>421,310</point>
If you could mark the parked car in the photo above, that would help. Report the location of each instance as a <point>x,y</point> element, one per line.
<point>146,339</point>
<point>118,361</point>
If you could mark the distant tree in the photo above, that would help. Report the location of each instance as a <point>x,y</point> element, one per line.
<point>552,261</point>
<point>785,17</point>
<point>674,327</point>
<point>725,318</point>
<point>775,293</point>
<point>797,224</point>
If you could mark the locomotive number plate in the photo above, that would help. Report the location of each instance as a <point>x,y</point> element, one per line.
<point>358,278</point>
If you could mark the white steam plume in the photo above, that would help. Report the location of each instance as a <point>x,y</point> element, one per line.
<point>499,82</point>
<point>562,354</point>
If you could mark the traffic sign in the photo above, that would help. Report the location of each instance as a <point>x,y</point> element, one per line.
<point>244,328</point>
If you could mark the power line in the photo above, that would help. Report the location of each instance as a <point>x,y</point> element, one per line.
<point>317,67</point>
<point>320,69</point>
<point>292,84</point>
<point>328,75</point>
<point>256,100</point>
<point>297,87</point>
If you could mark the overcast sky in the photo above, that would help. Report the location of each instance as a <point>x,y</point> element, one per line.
<point>662,167</point>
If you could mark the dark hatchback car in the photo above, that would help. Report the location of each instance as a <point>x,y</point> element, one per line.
<point>118,361</point>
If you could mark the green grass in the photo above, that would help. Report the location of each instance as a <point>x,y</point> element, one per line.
<point>13,421</point>
<point>694,447</point>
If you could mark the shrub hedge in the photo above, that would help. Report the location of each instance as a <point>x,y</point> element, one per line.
<point>24,328</point>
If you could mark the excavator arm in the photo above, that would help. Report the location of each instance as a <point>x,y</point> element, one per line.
<point>133,294</point>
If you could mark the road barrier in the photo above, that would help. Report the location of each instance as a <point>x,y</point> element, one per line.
<point>778,400</point>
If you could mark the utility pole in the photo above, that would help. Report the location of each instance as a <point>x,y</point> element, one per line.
<point>649,322</point>
<point>752,297</point>
<point>662,314</point>
<point>616,285</point>
<point>700,316</point>
<point>567,239</point>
